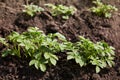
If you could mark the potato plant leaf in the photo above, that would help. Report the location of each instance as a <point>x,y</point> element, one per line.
<point>43,67</point>
<point>97,69</point>
<point>53,61</point>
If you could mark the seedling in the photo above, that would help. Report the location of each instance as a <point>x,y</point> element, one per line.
<point>35,44</point>
<point>86,52</point>
<point>61,10</point>
<point>103,9</point>
<point>32,9</point>
<point>41,49</point>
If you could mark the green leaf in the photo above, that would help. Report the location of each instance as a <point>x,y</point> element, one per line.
<point>77,60</point>
<point>103,64</point>
<point>110,63</point>
<point>82,63</point>
<point>60,36</point>
<point>69,57</point>
<point>62,47</point>
<point>2,40</point>
<point>97,69</point>
<point>65,17</point>
<point>22,44</point>
<point>53,61</point>
<point>6,53</point>
<point>37,64</point>
<point>107,15</point>
<point>43,67</point>
<point>46,55</point>
<point>110,58</point>
<point>54,56</point>
<point>38,55</point>
<point>32,62</point>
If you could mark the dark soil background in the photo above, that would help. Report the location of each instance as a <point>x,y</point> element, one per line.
<point>82,23</point>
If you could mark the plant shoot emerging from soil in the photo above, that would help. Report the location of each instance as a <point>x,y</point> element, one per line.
<point>86,52</point>
<point>31,9</point>
<point>103,9</point>
<point>40,48</point>
<point>61,10</point>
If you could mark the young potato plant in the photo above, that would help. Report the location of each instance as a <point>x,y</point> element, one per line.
<point>62,10</point>
<point>41,49</point>
<point>86,52</point>
<point>31,9</point>
<point>103,9</point>
<point>35,44</point>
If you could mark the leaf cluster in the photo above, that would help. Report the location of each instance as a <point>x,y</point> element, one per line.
<point>103,9</point>
<point>42,49</point>
<point>31,9</point>
<point>61,10</point>
<point>86,52</point>
<point>35,44</point>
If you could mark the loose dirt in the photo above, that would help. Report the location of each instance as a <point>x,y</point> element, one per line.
<point>83,23</point>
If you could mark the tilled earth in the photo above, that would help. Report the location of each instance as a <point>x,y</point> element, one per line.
<point>83,22</point>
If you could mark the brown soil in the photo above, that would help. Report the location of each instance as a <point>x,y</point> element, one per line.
<point>82,23</point>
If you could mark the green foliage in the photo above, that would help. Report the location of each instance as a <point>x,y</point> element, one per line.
<point>86,52</point>
<point>62,10</point>
<point>41,49</point>
<point>32,9</point>
<point>35,44</point>
<point>103,9</point>
<point>2,40</point>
